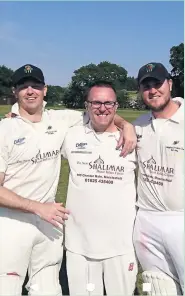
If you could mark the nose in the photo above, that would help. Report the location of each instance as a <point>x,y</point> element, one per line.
<point>102,108</point>
<point>152,90</point>
<point>29,90</point>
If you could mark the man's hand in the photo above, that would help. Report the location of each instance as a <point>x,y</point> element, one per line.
<point>127,140</point>
<point>9,115</point>
<point>53,213</point>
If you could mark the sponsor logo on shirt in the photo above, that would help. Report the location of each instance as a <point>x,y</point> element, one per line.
<point>156,174</point>
<point>152,166</point>
<point>81,148</point>
<point>50,130</point>
<point>100,166</point>
<point>81,145</point>
<point>45,156</point>
<point>19,141</point>
<point>40,157</point>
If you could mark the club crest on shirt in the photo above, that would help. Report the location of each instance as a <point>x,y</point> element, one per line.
<point>50,130</point>
<point>175,146</point>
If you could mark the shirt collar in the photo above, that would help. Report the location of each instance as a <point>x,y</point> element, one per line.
<point>100,136</point>
<point>178,116</point>
<point>89,128</point>
<point>15,108</point>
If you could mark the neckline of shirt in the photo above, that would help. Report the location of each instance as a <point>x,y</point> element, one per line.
<point>176,117</point>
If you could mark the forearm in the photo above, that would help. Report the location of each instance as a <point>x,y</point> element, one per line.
<point>9,199</point>
<point>120,121</point>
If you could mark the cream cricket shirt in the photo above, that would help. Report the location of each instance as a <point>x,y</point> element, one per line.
<point>161,161</point>
<point>30,153</point>
<point>101,194</point>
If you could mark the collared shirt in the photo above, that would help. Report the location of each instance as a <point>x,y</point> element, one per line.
<point>30,152</point>
<point>101,194</point>
<point>161,161</point>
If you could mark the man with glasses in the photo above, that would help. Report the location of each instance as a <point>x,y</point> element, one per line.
<point>31,232</point>
<point>159,227</point>
<point>101,199</point>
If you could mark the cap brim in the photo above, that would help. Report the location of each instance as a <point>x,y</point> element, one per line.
<point>28,77</point>
<point>152,75</point>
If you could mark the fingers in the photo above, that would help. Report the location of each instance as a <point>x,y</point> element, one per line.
<point>54,223</point>
<point>60,219</point>
<point>120,142</point>
<point>127,148</point>
<point>9,115</point>
<point>61,209</point>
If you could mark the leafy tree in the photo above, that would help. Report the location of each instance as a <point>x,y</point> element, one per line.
<point>123,98</point>
<point>73,96</point>
<point>86,75</point>
<point>131,84</point>
<point>5,82</point>
<point>139,104</point>
<point>177,72</point>
<point>55,95</point>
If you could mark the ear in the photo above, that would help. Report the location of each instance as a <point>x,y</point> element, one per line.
<point>117,106</point>
<point>170,84</point>
<point>45,90</point>
<point>86,105</point>
<point>14,92</point>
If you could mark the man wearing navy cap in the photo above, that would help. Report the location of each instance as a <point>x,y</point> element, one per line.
<point>158,234</point>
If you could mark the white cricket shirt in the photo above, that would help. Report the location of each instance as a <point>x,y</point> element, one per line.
<point>30,153</point>
<point>161,161</point>
<point>101,194</point>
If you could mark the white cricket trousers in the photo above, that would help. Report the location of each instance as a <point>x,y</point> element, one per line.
<point>159,242</point>
<point>86,276</point>
<point>28,242</point>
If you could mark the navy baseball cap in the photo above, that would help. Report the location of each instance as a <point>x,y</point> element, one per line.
<point>153,70</point>
<point>28,71</point>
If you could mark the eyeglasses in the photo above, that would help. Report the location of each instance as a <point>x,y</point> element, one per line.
<point>98,104</point>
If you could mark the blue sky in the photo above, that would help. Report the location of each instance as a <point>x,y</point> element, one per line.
<point>60,37</point>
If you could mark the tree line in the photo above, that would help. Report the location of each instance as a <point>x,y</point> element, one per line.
<point>71,96</point>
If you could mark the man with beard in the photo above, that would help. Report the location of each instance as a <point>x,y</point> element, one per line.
<point>158,234</point>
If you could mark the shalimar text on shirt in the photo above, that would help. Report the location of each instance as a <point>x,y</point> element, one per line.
<point>45,156</point>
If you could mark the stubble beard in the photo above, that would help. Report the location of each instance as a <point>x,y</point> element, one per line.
<point>158,108</point>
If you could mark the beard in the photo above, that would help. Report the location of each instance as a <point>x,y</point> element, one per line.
<point>158,108</point>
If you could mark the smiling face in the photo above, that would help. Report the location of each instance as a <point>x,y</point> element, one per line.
<point>156,95</point>
<point>102,115</point>
<point>30,95</point>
